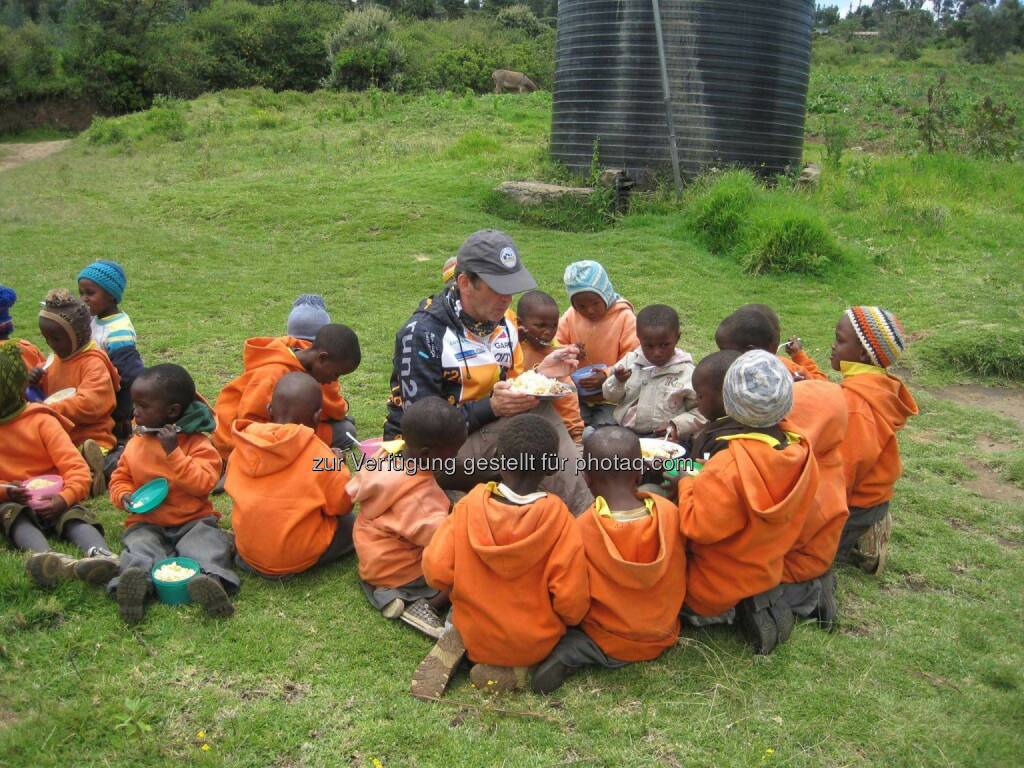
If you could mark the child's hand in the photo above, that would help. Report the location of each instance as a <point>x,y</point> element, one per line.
<point>125,499</point>
<point>672,433</point>
<point>799,376</point>
<point>622,374</point>
<point>18,494</point>
<point>54,509</point>
<point>35,376</point>
<point>794,345</point>
<point>168,437</point>
<point>594,380</point>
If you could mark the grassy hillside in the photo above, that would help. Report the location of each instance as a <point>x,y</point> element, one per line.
<point>224,209</point>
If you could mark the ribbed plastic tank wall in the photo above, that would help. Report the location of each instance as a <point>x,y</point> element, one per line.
<point>738,73</point>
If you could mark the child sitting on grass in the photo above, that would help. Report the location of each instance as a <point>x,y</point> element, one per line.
<point>756,326</point>
<point>333,353</point>
<point>745,509</point>
<point>652,386</point>
<point>602,325</point>
<point>291,509</point>
<point>101,286</point>
<point>708,380</point>
<point>808,584</point>
<point>400,507</point>
<point>83,369</point>
<point>636,561</point>
<point>308,316</point>
<point>30,353</point>
<point>537,314</point>
<point>869,340</point>
<point>175,447</point>
<point>35,442</point>
<point>513,561</point>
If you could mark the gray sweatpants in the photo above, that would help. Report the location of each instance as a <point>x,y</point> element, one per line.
<point>576,650</point>
<point>860,521</point>
<point>379,597</point>
<point>803,597</point>
<point>202,540</point>
<point>567,483</point>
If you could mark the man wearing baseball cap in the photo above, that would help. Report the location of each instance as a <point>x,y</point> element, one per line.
<point>460,345</point>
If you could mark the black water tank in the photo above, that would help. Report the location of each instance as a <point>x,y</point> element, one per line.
<point>738,73</point>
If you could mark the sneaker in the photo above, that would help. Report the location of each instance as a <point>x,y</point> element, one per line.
<point>93,455</point>
<point>432,675</point>
<point>208,592</point>
<point>394,609</point>
<point>549,675</point>
<point>494,679</point>
<point>827,611</point>
<point>97,569</point>
<point>47,568</point>
<point>872,549</point>
<point>132,588</point>
<point>422,616</point>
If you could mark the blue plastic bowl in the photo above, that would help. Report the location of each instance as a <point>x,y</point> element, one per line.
<point>582,373</point>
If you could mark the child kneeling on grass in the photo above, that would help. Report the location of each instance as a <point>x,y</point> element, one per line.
<point>400,507</point>
<point>636,561</point>
<point>513,560</point>
<point>291,511</point>
<point>744,510</point>
<point>869,340</point>
<point>83,370</point>
<point>35,442</point>
<point>174,446</point>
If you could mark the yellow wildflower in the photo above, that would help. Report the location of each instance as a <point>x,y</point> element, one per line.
<point>205,747</point>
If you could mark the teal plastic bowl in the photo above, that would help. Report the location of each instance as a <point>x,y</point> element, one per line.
<point>174,592</point>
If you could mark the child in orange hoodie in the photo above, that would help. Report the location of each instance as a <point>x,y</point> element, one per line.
<point>636,561</point>
<point>745,509</point>
<point>171,421</point>
<point>537,314</point>
<point>603,325</point>
<point>400,507</point>
<point>756,326</point>
<point>291,510</point>
<point>869,340</point>
<point>35,442</point>
<point>808,584</point>
<point>513,560</point>
<point>81,383</point>
<point>333,353</point>
<point>29,352</point>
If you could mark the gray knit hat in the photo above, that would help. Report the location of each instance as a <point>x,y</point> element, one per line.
<point>308,315</point>
<point>758,390</point>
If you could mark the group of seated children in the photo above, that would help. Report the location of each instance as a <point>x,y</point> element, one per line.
<point>795,472</point>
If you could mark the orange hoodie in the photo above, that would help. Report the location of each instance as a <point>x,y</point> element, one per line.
<point>741,515</point>
<point>191,470</point>
<point>608,340</point>
<point>637,572</point>
<point>398,514</point>
<point>30,353</point>
<point>517,575</point>
<point>265,360</point>
<point>96,380</point>
<point>819,413</point>
<point>36,442</point>
<point>802,363</point>
<point>568,408</point>
<point>288,490</point>
<point>879,406</point>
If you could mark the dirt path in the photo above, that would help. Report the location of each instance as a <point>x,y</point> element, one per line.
<point>13,155</point>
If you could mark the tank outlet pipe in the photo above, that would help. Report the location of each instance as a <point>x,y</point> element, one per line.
<point>667,94</point>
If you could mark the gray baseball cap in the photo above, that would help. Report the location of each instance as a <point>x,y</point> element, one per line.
<point>492,255</point>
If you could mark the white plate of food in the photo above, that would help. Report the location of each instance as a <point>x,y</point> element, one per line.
<point>540,386</point>
<point>60,394</point>
<point>654,449</point>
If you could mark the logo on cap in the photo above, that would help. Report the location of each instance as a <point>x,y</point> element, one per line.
<point>508,256</point>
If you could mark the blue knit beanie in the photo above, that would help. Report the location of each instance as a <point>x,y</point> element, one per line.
<point>589,276</point>
<point>108,275</point>
<point>308,315</point>
<point>7,299</point>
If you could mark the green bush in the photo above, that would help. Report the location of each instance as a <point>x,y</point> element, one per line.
<point>461,68</point>
<point>362,51</point>
<point>520,17</point>
<point>30,65</point>
<point>791,242</point>
<point>718,209</point>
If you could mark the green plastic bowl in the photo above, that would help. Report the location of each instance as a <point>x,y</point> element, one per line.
<point>149,496</point>
<point>174,592</point>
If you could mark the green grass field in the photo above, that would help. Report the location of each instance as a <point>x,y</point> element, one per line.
<point>224,209</point>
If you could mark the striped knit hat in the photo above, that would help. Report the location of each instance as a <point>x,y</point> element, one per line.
<point>879,332</point>
<point>758,390</point>
<point>448,270</point>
